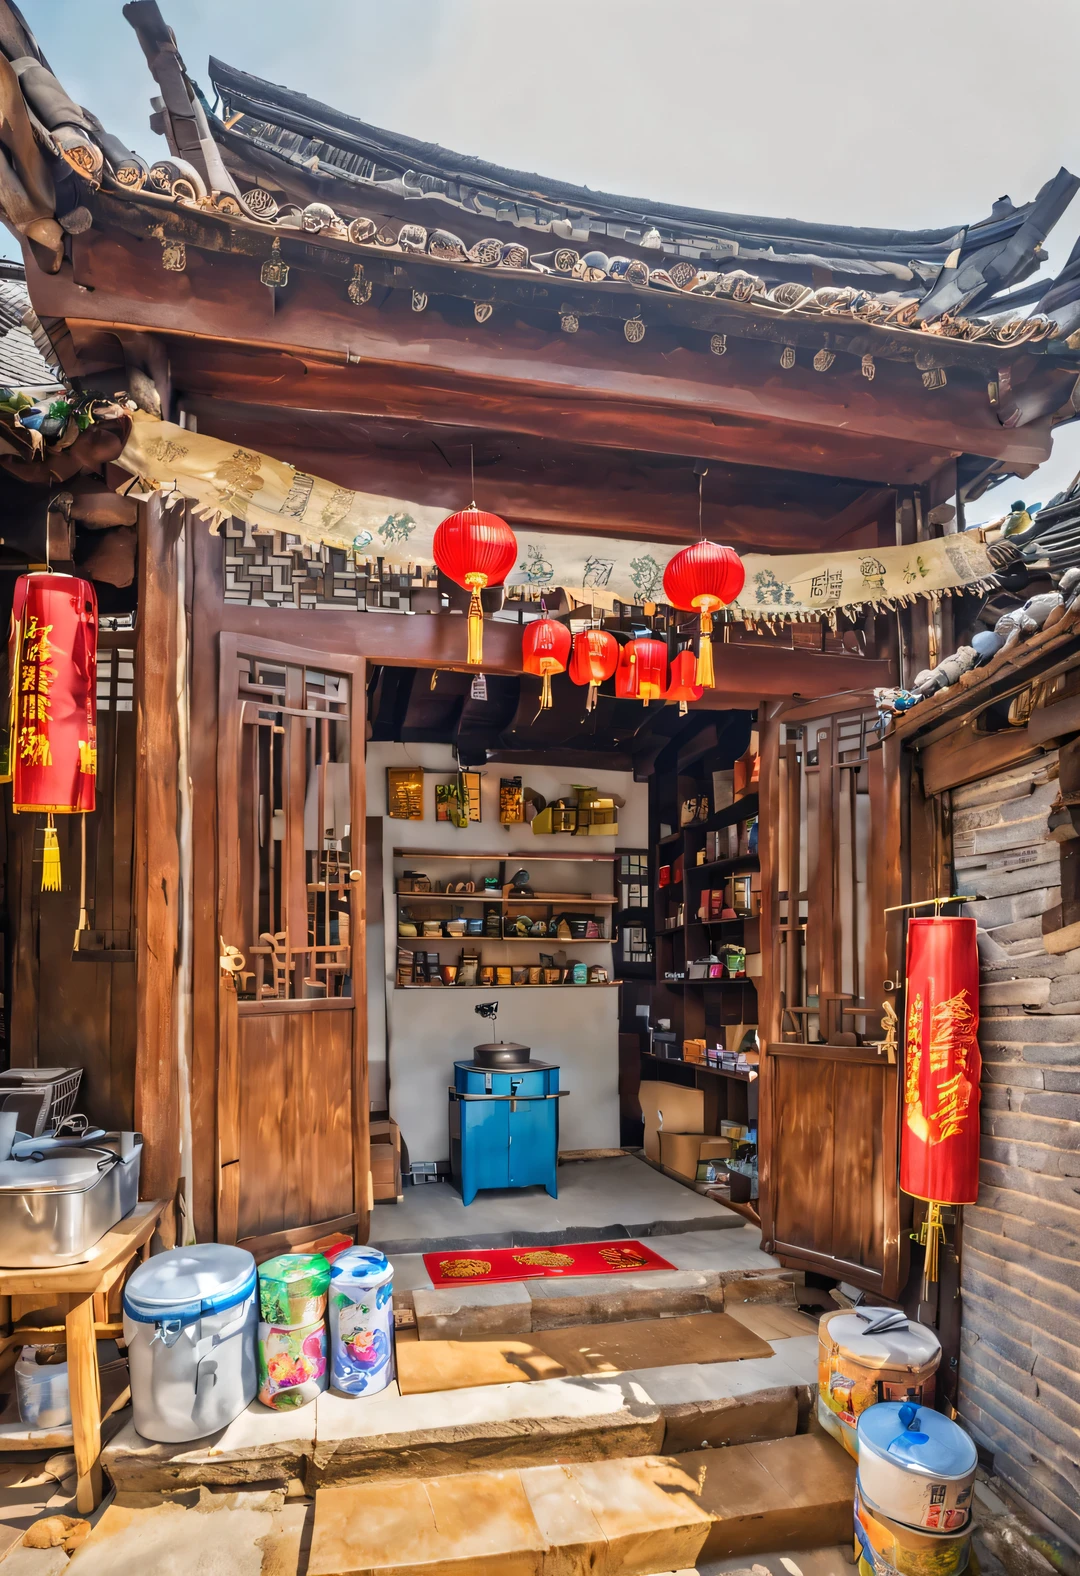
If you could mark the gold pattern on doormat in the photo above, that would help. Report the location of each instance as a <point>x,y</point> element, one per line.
<point>545,1259</point>
<point>622,1258</point>
<point>463,1268</point>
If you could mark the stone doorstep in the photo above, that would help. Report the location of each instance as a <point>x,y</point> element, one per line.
<point>621,1517</point>
<point>454,1313</point>
<point>339,1440</point>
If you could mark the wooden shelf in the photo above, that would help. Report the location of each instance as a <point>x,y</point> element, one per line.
<point>531,941</point>
<point>746,980</point>
<point>604,985</point>
<point>700,1067</point>
<point>743,809</point>
<point>496,897</point>
<point>727,866</point>
<point>516,855</point>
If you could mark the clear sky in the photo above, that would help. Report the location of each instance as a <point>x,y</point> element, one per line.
<point>850,111</point>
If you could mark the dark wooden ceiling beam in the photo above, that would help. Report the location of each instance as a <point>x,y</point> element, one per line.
<point>656,396</point>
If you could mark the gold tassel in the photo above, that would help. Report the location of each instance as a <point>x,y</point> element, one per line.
<point>51,880</point>
<point>590,699</point>
<point>705,675</point>
<point>476,620</point>
<point>932,1236</point>
<point>683,708</point>
<point>87,759</point>
<point>545,693</point>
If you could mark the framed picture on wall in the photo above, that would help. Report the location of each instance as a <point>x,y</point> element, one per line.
<point>405,793</point>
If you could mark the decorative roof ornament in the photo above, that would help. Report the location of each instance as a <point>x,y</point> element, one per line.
<point>482,310</point>
<point>359,287</point>
<point>824,360</point>
<point>718,344</point>
<point>869,370</point>
<point>568,322</point>
<point>634,331</point>
<point>274,273</point>
<point>419,301</point>
<point>787,357</point>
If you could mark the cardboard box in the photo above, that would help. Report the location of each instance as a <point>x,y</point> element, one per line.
<point>669,1108</point>
<point>682,1153</point>
<point>386,1162</point>
<point>693,1050</point>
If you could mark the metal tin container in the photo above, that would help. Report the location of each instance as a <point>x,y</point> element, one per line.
<point>502,1053</point>
<point>55,1206</point>
<point>886,1547</point>
<point>868,1356</point>
<point>917,1466</point>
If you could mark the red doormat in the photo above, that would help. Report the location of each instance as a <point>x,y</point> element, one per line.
<point>514,1264</point>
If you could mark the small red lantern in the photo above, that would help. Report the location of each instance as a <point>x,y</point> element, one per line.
<point>52,661</point>
<point>475,550</point>
<point>545,649</point>
<point>595,658</point>
<point>702,579</point>
<point>642,670</point>
<point>681,686</point>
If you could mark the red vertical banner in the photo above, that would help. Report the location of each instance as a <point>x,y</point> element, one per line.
<point>52,660</point>
<point>939,1141</point>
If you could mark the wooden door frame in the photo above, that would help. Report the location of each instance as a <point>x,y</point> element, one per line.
<point>885,881</point>
<point>231,646</point>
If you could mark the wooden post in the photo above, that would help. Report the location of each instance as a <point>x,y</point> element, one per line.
<point>157,856</point>
<point>84,1382</point>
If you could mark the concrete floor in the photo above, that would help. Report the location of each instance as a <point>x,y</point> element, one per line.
<point>622,1197</point>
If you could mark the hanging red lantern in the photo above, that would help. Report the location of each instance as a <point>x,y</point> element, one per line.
<point>681,686</point>
<point>642,670</point>
<point>52,662</point>
<point>939,1139</point>
<point>545,649</point>
<point>702,579</point>
<point>475,550</point>
<point>595,658</point>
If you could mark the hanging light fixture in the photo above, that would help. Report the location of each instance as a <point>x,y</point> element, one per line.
<point>545,649</point>
<point>642,671</point>
<point>702,579</point>
<point>475,549</point>
<point>682,686</point>
<point>52,660</point>
<point>595,658</point>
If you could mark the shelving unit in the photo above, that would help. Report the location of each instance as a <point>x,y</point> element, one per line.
<point>419,906</point>
<point>701,1008</point>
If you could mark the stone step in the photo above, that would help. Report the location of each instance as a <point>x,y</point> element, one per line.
<point>338,1440</point>
<point>633,1516</point>
<point>456,1313</point>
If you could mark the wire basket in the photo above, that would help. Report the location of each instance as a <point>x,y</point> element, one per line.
<point>61,1082</point>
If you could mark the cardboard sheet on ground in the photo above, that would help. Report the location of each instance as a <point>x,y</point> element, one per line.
<point>772,1321</point>
<point>485,1266</point>
<point>576,1351</point>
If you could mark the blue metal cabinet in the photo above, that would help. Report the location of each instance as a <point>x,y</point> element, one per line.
<point>504,1127</point>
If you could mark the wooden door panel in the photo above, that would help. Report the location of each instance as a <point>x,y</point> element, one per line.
<point>292,1116</point>
<point>295,1071</point>
<point>828,1126</point>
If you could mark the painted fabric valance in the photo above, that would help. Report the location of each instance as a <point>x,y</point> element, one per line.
<point>225,480</point>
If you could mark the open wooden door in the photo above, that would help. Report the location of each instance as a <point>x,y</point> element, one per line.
<point>829,1112</point>
<point>292,1116</point>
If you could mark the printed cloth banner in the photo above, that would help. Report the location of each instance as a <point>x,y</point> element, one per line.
<point>270,495</point>
<point>939,1140</point>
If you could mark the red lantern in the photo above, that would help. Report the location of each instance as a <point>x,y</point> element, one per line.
<point>52,660</point>
<point>702,579</point>
<point>545,649</point>
<point>939,1140</point>
<point>642,670</point>
<point>681,686</point>
<point>595,658</point>
<point>475,550</point>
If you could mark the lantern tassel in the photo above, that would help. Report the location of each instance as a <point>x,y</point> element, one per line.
<point>51,880</point>
<point>545,693</point>
<point>683,708</point>
<point>476,629</point>
<point>705,675</point>
<point>932,1236</point>
<point>590,699</point>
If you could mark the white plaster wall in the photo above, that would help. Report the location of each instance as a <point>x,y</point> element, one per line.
<point>426,1031</point>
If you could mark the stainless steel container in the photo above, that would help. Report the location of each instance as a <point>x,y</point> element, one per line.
<point>54,1206</point>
